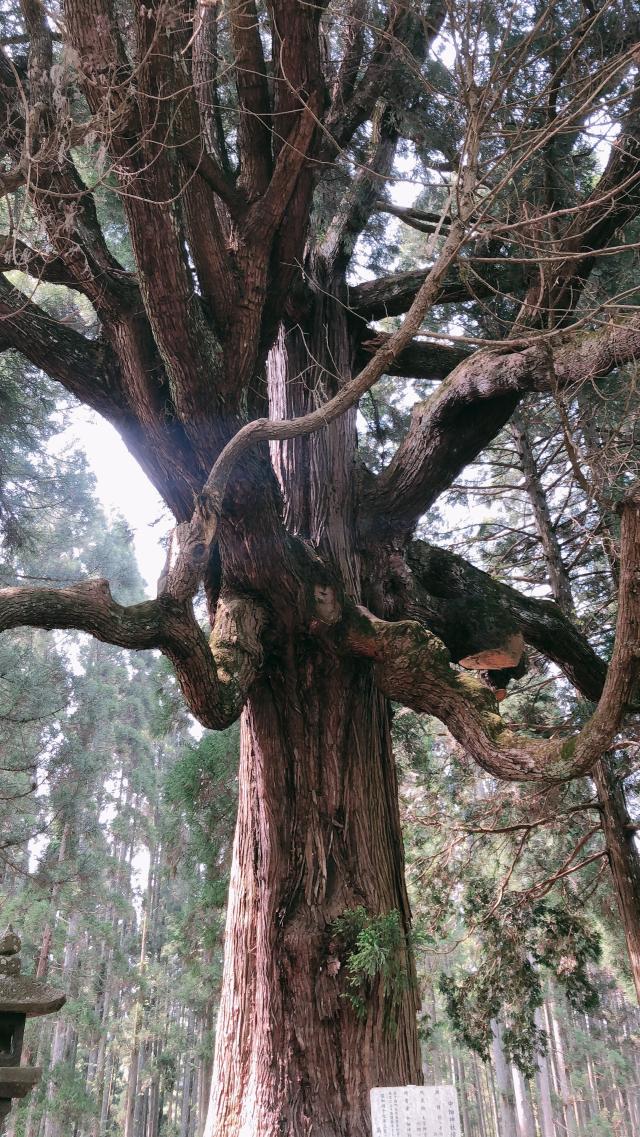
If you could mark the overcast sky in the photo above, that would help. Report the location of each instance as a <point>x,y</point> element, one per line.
<point>123,488</point>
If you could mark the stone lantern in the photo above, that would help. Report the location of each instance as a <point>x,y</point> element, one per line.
<point>20,998</point>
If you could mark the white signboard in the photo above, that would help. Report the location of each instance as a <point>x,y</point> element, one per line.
<point>415,1111</point>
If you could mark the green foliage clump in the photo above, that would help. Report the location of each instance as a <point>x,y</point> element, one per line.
<point>375,948</point>
<point>518,939</point>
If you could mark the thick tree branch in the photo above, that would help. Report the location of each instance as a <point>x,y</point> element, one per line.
<point>215,677</point>
<point>208,216</point>
<point>17,255</point>
<point>82,366</point>
<point>412,667</point>
<point>420,219</point>
<point>267,214</point>
<point>421,359</point>
<point>39,140</point>
<point>392,295</point>
<point>451,427</point>
<point>206,64</point>
<point>353,212</point>
<point>466,608</point>
<point>403,37</point>
<point>254,136</point>
<point>196,157</point>
<point>139,123</point>
<point>90,370</point>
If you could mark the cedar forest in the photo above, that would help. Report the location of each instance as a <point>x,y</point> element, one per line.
<point>353,800</point>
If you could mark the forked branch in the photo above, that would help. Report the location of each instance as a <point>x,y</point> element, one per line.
<point>192,542</point>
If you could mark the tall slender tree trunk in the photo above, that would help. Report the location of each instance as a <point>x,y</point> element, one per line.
<point>107,1086</point>
<point>624,861</point>
<point>134,1060</point>
<point>205,1067</point>
<point>100,1067</point>
<point>543,1083</point>
<point>52,1123</point>
<point>524,1109</point>
<point>484,1129</point>
<point>564,1085</point>
<point>591,1073</point>
<point>504,1084</point>
<point>558,579</point>
<point>492,1096</point>
<point>461,1086</point>
<point>185,1105</point>
<point>594,450</point>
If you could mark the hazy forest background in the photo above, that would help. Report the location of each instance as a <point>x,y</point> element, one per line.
<point>117,813</point>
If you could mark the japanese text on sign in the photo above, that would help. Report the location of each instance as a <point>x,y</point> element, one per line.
<point>415,1111</point>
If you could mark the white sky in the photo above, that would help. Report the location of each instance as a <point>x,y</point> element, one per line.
<point>123,488</point>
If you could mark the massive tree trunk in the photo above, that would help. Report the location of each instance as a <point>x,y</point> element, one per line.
<point>318,832</point>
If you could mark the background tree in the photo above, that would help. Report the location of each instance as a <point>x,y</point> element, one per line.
<point>203,181</point>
